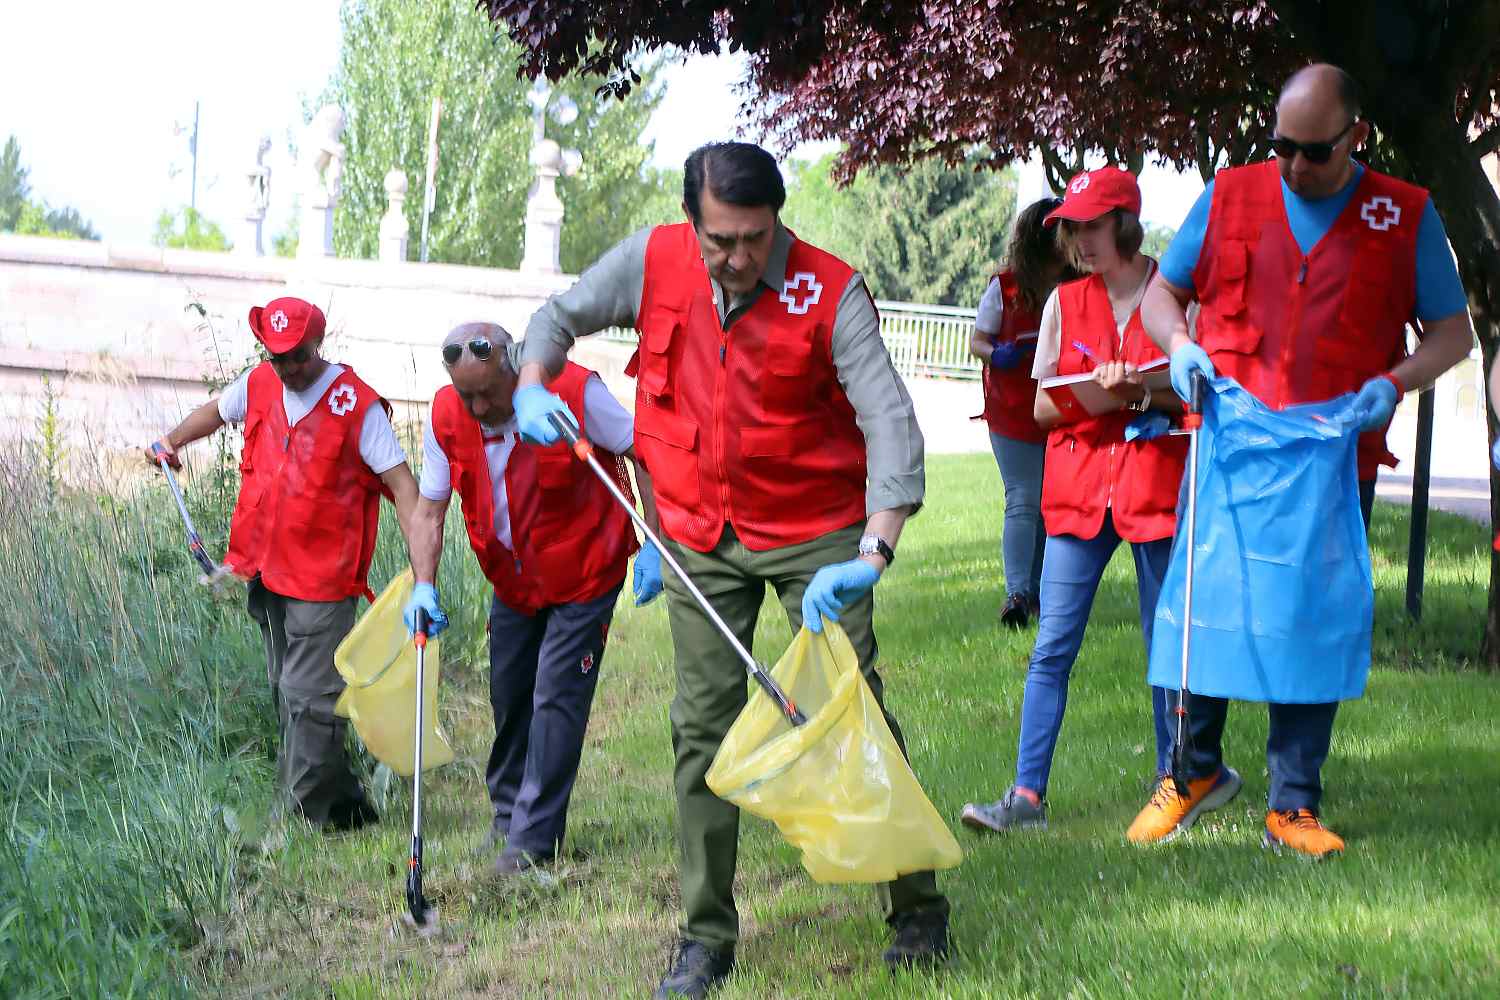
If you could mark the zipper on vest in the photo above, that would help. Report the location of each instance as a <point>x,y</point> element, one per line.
<point>721,353</point>
<point>1302,274</point>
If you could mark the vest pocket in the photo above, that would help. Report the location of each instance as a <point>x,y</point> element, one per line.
<point>658,330</point>
<point>1231,274</point>
<point>784,384</point>
<point>325,463</point>
<point>667,444</point>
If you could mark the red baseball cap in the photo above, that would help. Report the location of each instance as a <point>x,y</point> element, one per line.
<point>1094,192</point>
<point>285,323</point>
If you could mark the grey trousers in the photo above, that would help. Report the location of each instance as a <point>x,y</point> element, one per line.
<point>313,773</point>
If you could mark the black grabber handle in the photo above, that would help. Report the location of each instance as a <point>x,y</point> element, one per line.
<point>585,453</point>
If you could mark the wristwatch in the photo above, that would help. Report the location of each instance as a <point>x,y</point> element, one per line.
<point>874,545</point>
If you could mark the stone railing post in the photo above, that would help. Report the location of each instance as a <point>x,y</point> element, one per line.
<point>394,229</point>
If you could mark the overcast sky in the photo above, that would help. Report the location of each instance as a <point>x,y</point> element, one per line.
<point>94,90</point>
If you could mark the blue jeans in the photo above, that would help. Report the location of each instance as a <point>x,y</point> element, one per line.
<point>1023,537</point>
<point>1070,578</point>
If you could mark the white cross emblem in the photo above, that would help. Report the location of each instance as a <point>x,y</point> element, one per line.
<point>1080,184</point>
<point>1390,213</point>
<point>342,400</point>
<point>278,321</point>
<point>797,298</point>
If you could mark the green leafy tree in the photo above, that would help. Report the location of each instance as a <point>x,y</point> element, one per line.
<point>188,230</point>
<point>397,55</point>
<point>14,191</point>
<point>923,233</point>
<point>1158,238</point>
<point>32,217</point>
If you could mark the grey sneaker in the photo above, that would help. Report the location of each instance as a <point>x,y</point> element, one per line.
<point>1012,812</point>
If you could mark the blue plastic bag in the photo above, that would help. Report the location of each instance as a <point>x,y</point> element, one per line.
<point>1283,600</point>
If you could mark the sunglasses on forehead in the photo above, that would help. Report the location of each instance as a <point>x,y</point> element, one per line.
<point>1315,152</point>
<point>479,347</point>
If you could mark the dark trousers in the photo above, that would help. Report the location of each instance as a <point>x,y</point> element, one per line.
<point>1297,744</point>
<point>543,671</point>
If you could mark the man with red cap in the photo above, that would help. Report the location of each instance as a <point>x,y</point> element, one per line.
<point>319,452</point>
<point>1307,268</point>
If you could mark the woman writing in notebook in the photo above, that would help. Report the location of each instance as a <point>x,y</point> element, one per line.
<point>1004,341</point>
<point>1099,488</point>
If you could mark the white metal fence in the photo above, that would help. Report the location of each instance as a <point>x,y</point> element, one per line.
<point>923,340</point>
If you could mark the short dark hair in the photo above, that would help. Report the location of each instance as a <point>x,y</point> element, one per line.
<point>737,173</point>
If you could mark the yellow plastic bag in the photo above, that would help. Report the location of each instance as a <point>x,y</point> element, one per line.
<point>838,787</point>
<point>378,662</point>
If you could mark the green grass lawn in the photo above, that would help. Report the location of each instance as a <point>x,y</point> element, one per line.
<point>1413,783</point>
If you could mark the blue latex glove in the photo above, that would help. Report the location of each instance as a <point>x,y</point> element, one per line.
<point>1375,403</point>
<point>425,596</point>
<point>833,587</point>
<point>1495,453</point>
<point>1185,360</point>
<point>532,403</point>
<point>646,583</point>
<point>1009,354</point>
<point>1151,424</point>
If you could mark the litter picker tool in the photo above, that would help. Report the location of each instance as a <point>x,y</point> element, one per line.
<point>584,451</point>
<point>1193,423</point>
<point>420,914</point>
<point>213,573</point>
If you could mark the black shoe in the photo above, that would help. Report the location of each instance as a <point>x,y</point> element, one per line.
<point>350,815</point>
<point>517,862</point>
<point>694,970</point>
<point>921,941</point>
<point>1015,613</point>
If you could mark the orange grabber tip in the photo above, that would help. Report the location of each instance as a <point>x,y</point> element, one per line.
<point>420,639</point>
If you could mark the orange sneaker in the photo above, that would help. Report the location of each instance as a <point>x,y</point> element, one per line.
<point>1303,832</point>
<point>1168,815</point>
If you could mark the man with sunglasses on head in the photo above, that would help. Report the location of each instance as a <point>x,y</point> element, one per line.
<point>319,453</point>
<point>555,545</point>
<point>784,449</point>
<point>1306,268</point>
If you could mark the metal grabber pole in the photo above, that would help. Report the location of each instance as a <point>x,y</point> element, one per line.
<point>584,451</point>
<point>1193,422</point>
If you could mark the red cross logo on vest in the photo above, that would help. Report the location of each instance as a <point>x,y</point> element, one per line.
<point>1080,184</point>
<point>587,663</point>
<point>342,400</point>
<point>798,298</point>
<point>1380,213</point>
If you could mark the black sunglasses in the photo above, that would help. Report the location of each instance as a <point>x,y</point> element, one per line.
<point>479,347</point>
<point>1316,152</point>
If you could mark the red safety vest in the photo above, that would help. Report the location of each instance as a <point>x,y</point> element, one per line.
<point>1010,396</point>
<point>1090,466</point>
<point>1299,329</point>
<point>748,426</point>
<point>309,506</point>
<point>572,539</point>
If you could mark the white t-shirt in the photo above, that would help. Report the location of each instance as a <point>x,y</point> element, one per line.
<point>377,438</point>
<point>991,311</point>
<point>1049,336</point>
<point>609,425</point>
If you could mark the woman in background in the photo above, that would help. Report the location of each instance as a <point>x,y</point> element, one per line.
<point>1004,341</point>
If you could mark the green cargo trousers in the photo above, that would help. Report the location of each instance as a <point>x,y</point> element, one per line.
<point>711,691</point>
<point>314,777</point>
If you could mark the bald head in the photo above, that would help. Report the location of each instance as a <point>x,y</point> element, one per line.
<point>1324,85</point>
<point>1318,128</point>
<point>484,386</point>
<point>493,332</point>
